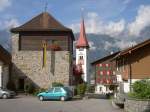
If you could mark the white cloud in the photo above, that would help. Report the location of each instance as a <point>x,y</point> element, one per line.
<point>9,23</point>
<point>4,4</point>
<point>114,28</point>
<point>142,20</point>
<point>92,45</point>
<point>122,44</point>
<point>94,24</point>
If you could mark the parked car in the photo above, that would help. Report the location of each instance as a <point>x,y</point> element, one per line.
<point>4,93</point>
<point>56,93</point>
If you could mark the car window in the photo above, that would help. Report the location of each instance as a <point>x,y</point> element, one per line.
<point>57,90</point>
<point>51,90</point>
<point>67,89</point>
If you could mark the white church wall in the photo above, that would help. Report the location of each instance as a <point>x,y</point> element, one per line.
<point>85,65</point>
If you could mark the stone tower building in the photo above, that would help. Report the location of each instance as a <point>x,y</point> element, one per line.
<point>42,52</point>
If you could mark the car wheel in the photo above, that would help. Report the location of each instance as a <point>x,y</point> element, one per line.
<point>5,96</point>
<point>41,98</point>
<point>62,98</point>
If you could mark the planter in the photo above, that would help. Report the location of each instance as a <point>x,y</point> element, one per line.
<point>137,105</point>
<point>55,47</point>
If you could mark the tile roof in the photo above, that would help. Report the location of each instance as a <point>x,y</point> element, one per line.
<point>82,40</point>
<point>42,22</point>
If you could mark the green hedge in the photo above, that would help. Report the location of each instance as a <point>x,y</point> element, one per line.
<point>57,84</point>
<point>141,89</point>
<point>81,88</point>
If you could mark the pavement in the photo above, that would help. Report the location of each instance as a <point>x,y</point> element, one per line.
<point>32,104</point>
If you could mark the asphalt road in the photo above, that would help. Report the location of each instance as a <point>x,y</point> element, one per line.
<point>32,104</point>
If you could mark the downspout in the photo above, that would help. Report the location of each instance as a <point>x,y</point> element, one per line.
<point>130,72</point>
<point>130,75</point>
<point>95,74</point>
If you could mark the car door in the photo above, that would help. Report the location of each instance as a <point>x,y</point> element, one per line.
<point>57,93</point>
<point>49,94</point>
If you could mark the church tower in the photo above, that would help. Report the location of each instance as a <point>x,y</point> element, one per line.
<point>82,49</point>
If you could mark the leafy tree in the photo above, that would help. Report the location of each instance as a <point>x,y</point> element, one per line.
<point>141,89</point>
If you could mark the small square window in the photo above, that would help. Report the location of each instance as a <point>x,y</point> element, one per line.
<point>107,65</point>
<point>81,57</point>
<point>108,72</point>
<point>101,72</point>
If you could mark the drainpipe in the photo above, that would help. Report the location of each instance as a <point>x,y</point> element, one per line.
<point>130,72</point>
<point>130,76</point>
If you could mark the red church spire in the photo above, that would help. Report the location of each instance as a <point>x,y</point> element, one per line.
<point>82,40</point>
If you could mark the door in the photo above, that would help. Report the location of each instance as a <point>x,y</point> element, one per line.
<point>57,93</point>
<point>21,84</point>
<point>49,94</point>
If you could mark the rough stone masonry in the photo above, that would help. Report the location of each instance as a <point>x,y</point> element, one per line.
<point>28,65</point>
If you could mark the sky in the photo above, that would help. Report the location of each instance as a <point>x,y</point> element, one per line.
<point>124,19</point>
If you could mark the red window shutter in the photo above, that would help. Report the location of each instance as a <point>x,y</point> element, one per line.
<point>103,64</point>
<point>104,72</point>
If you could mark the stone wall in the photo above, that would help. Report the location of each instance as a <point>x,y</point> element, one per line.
<point>29,65</point>
<point>5,75</point>
<point>132,105</point>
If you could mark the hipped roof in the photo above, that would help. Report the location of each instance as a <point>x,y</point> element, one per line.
<point>42,22</point>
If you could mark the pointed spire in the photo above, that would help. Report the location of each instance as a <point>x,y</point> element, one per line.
<point>82,40</point>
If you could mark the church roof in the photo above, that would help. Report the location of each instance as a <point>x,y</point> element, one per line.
<point>42,22</point>
<point>82,40</point>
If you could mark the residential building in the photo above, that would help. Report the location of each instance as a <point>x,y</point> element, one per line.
<point>42,51</point>
<point>5,64</point>
<point>105,75</point>
<point>132,65</point>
